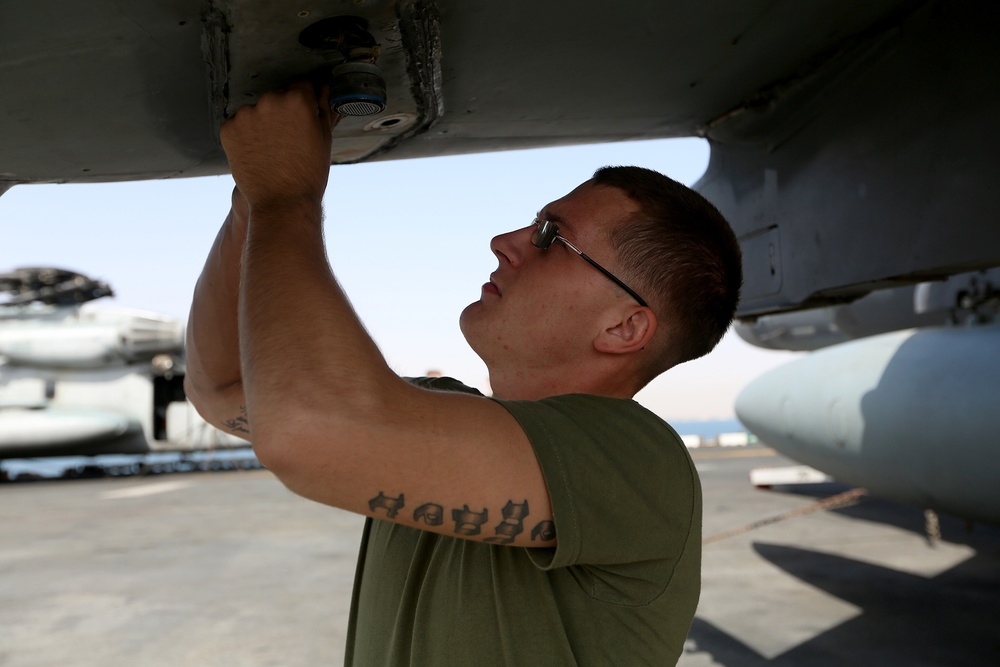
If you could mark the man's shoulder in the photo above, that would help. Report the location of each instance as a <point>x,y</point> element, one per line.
<point>593,413</point>
<point>572,414</point>
<point>589,433</point>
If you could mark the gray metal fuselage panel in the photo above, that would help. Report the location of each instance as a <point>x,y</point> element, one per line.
<point>853,143</point>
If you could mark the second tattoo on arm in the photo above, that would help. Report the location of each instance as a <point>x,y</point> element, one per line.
<point>239,423</point>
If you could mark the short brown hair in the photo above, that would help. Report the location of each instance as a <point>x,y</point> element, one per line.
<point>683,257</point>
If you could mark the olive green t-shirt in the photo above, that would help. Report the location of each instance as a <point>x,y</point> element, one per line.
<point>620,588</point>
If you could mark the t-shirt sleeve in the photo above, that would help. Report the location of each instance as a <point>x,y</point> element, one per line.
<point>442,383</point>
<point>621,482</point>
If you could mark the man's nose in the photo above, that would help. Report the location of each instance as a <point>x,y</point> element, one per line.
<point>513,245</point>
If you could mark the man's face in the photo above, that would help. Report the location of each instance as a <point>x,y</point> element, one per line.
<point>542,309</point>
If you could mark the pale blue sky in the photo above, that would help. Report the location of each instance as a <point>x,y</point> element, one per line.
<point>408,240</point>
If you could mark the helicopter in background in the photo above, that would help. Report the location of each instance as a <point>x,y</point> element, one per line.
<point>77,380</point>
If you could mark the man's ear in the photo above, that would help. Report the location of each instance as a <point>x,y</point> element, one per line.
<point>632,331</point>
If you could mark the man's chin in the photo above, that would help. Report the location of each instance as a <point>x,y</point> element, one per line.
<point>466,318</point>
<point>469,322</point>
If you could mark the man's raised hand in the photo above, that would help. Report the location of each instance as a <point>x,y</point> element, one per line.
<point>279,149</point>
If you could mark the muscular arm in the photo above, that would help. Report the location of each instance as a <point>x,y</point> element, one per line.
<point>213,381</point>
<point>329,417</point>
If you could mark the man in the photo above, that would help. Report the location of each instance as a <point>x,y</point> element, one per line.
<point>555,523</point>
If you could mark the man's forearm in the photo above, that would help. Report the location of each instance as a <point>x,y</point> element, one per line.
<point>302,349</point>
<point>213,378</point>
<point>300,340</point>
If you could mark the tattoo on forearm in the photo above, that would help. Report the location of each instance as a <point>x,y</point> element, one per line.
<point>512,524</point>
<point>468,522</point>
<point>430,513</point>
<point>239,423</point>
<point>545,531</point>
<point>389,504</point>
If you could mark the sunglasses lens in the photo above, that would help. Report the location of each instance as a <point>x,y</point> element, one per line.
<point>545,232</point>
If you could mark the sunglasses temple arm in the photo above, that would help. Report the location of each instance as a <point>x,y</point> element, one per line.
<point>613,278</point>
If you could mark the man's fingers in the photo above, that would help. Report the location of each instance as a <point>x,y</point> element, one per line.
<point>279,148</point>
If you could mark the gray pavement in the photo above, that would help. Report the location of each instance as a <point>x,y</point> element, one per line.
<point>861,585</point>
<point>231,569</point>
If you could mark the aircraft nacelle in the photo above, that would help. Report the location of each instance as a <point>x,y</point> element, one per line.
<point>909,415</point>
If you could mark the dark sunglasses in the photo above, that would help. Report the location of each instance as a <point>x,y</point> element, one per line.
<point>547,231</point>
